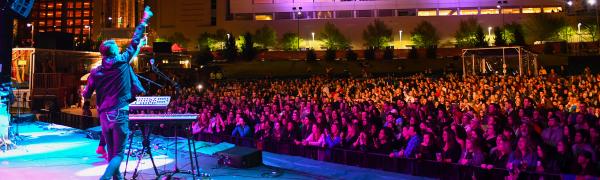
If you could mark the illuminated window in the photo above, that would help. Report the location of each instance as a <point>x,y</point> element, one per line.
<point>86,13</point>
<point>50,15</point>
<point>59,14</point>
<point>323,0</point>
<point>86,5</point>
<point>531,10</point>
<point>50,6</point>
<point>58,22</point>
<point>78,14</point>
<point>42,23</point>
<point>552,9</point>
<point>511,11</point>
<point>70,13</point>
<point>58,5</point>
<point>71,5</point>
<point>77,22</point>
<point>427,13</point>
<point>490,11</point>
<point>324,14</point>
<point>77,31</point>
<point>263,17</point>
<point>70,30</point>
<point>57,29</point>
<point>50,23</point>
<point>69,22</point>
<point>469,12</point>
<point>448,12</point>
<point>79,5</point>
<point>86,22</point>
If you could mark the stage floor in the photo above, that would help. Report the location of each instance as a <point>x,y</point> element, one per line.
<point>50,151</point>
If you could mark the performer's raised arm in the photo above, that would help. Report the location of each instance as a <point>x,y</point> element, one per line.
<point>129,53</point>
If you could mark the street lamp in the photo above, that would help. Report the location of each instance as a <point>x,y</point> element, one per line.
<point>298,12</point>
<point>89,28</point>
<point>32,33</point>
<point>400,32</point>
<point>312,43</point>
<point>579,28</point>
<point>490,35</point>
<point>570,3</point>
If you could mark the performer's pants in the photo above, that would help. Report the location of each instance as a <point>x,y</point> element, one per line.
<point>115,128</point>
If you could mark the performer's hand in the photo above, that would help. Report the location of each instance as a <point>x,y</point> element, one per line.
<point>147,14</point>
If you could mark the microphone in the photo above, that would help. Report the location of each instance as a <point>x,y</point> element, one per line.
<point>152,65</point>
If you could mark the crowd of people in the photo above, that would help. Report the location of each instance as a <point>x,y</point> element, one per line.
<point>548,123</point>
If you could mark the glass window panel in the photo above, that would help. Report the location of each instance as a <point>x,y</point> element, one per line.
<point>263,17</point>
<point>448,12</point>
<point>469,12</point>
<point>364,13</point>
<point>283,15</point>
<point>427,13</point>
<point>511,11</point>
<point>552,9</point>
<point>324,14</point>
<point>344,14</point>
<point>532,10</point>
<point>490,11</point>
<point>386,12</point>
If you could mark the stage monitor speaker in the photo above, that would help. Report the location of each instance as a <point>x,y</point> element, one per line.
<point>162,47</point>
<point>241,157</point>
<point>22,7</point>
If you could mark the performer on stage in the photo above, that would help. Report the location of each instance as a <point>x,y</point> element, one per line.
<point>116,85</point>
<point>6,99</point>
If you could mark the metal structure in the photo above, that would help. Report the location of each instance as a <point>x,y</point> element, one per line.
<point>499,60</point>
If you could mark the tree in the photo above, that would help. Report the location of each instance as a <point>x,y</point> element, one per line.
<point>470,34</point>
<point>333,38</point>
<point>543,26</point>
<point>377,35</point>
<point>498,38</point>
<point>512,34</point>
<point>289,42</point>
<point>265,37</point>
<point>208,41</point>
<point>248,49</point>
<point>425,35</point>
<point>179,38</point>
<point>231,51</point>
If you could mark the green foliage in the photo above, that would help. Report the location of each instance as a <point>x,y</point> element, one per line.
<point>330,55</point>
<point>333,38</point>
<point>512,34</point>
<point>231,51</point>
<point>311,55</point>
<point>351,55</point>
<point>369,53</point>
<point>265,37</point>
<point>498,37</point>
<point>425,35</point>
<point>388,53</point>
<point>470,34</point>
<point>543,26</point>
<point>159,39</point>
<point>566,33</point>
<point>212,41</point>
<point>413,53</point>
<point>377,35</point>
<point>179,38</point>
<point>248,49</point>
<point>289,42</point>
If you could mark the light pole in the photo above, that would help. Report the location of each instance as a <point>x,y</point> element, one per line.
<point>499,6</point>
<point>312,43</point>
<point>298,12</point>
<point>490,35</point>
<point>89,28</point>
<point>400,33</point>
<point>110,22</point>
<point>32,33</point>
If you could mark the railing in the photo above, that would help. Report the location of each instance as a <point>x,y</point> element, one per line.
<point>416,167</point>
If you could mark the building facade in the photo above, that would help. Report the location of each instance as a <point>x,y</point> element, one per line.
<point>350,16</point>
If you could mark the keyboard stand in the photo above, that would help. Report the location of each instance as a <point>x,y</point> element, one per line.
<point>146,130</point>
<point>192,154</point>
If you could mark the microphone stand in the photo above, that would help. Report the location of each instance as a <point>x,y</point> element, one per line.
<point>162,75</point>
<point>149,81</point>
